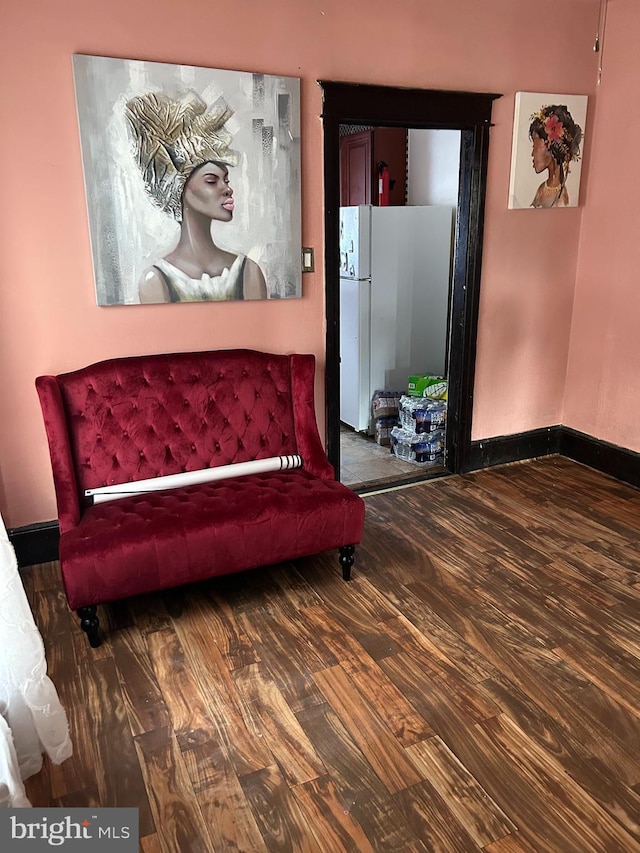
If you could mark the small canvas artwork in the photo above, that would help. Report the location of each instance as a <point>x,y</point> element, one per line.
<point>192,180</point>
<point>546,154</point>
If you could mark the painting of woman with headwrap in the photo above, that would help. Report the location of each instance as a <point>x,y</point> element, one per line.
<point>192,181</point>
<point>552,126</point>
<point>183,153</point>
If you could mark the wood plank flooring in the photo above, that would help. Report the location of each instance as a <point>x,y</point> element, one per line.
<point>475,687</point>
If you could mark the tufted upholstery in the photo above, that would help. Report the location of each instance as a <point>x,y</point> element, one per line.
<point>130,419</point>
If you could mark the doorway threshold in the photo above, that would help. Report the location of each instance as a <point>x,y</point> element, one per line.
<point>369,466</point>
<point>375,487</point>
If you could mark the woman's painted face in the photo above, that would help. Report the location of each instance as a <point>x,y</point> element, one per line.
<point>540,154</point>
<point>208,192</point>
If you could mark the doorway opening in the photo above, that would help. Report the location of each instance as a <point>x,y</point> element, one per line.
<point>470,114</point>
<point>398,202</point>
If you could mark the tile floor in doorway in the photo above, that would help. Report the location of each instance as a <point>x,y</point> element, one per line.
<point>364,463</point>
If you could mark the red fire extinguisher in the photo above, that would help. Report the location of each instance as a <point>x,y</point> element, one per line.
<point>383,184</point>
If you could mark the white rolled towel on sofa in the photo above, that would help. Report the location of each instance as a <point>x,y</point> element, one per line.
<point>191,478</point>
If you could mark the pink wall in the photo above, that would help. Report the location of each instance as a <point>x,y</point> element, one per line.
<point>48,318</point>
<point>603,376</point>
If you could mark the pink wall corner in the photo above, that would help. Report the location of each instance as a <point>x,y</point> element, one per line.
<point>603,377</point>
<point>48,318</point>
<point>529,264</point>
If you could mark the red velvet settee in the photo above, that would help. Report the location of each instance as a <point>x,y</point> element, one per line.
<point>128,419</point>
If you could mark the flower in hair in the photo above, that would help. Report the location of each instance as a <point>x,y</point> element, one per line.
<point>554,128</point>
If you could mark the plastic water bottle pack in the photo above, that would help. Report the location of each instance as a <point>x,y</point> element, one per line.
<point>422,415</point>
<point>419,448</point>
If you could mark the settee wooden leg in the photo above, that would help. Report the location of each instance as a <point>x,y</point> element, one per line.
<point>346,560</point>
<point>89,623</point>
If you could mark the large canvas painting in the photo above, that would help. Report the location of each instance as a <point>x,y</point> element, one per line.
<point>192,179</point>
<point>546,154</point>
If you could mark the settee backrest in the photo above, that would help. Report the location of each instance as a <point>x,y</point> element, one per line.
<point>129,419</point>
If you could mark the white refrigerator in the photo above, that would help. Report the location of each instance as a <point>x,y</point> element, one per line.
<point>395,269</point>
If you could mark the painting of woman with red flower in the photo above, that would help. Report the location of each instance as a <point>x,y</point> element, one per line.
<point>556,143</point>
<point>548,133</point>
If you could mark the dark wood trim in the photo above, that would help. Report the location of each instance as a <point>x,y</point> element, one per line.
<point>607,458</point>
<point>465,298</point>
<point>35,543</point>
<point>332,288</point>
<point>469,112</point>
<point>618,462</point>
<point>514,448</point>
<point>363,103</point>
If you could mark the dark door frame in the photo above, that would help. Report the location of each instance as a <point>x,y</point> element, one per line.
<point>469,112</point>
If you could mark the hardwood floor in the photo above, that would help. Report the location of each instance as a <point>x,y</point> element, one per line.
<point>475,687</point>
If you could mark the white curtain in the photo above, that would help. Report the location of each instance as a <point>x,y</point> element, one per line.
<point>32,720</point>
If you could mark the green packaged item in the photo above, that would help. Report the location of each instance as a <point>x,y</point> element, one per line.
<point>427,385</point>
